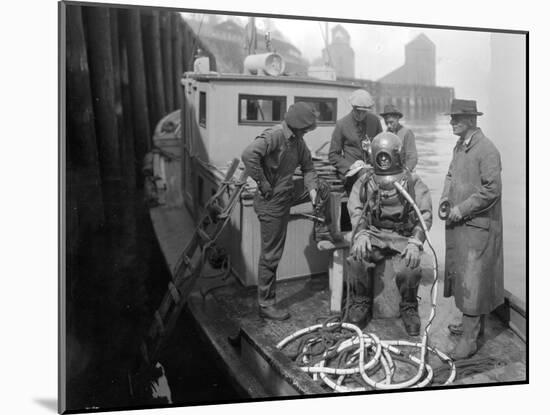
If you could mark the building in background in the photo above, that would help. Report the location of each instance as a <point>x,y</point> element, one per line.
<point>419,66</point>
<point>227,41</point>
<point>338,54</point>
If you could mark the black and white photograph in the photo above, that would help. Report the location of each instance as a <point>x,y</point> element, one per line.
<point>259,206</point>
<point>288,207</point>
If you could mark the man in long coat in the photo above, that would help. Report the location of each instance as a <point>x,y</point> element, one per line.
<point>472,197</point>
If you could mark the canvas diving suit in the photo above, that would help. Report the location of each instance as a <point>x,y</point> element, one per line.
<point>386,222</point>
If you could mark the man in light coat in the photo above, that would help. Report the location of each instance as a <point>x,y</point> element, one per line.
<point>471,203</point>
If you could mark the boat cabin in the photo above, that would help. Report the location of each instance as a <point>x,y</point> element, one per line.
<point>222,114</point>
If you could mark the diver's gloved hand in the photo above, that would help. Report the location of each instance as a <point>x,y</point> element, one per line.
<point>361,245</point>
<point>265,189</point>
<point>412,255</point>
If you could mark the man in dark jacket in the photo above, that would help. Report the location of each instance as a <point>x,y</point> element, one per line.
<point>392,117</point>
<point>352,135</point>
<point>471,203</point>
<point>271,160</point>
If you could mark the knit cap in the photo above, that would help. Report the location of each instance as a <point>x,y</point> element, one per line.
<point>300,115</point>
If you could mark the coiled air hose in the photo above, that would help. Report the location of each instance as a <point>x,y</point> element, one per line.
<point>359,356</point>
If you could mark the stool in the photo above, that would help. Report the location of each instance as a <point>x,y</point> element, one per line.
<point>338,266</point>
<point>337,270</point>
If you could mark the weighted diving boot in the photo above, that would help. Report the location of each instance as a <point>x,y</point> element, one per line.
<point>467,345</point>
<point>409,310</point>
<point>273,313</point>
<point>359,311</point>
<point>410,317</point>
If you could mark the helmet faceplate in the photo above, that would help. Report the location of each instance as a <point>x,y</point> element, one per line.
<point>386,154</point>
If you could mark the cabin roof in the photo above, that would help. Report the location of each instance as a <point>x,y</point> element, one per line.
<point>215,77</point>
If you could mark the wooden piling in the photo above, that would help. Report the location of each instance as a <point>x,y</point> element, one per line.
<point>97,24</point>
<point>100,55</point>
<point>167,60</point>
<point>153,66</point>
<point>177,55</point>
<point>82,160</point>
<point>126,147</point>
<point>131,32</point>
<point>126,128</point>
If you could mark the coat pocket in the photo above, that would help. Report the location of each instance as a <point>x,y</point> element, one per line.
<point>481,222</point>
<point>478,233</point>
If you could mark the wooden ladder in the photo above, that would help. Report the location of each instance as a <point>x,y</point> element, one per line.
<point>188,268</point>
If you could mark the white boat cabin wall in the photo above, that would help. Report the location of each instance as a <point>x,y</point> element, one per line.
<point>227,125</point>
<point>222,114</point>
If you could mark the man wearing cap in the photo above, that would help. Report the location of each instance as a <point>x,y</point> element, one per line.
<point>473,227</point>
<point>271,160</point>
<point>392,117</point>
<point>352,136</point>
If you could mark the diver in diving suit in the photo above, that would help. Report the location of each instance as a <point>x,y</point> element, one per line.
<point>387,231</point>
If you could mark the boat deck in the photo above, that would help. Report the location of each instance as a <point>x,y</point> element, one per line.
<point>226,313</point>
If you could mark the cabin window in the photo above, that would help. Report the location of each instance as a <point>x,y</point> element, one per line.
<point>261,109</point>
<point>326,107</point>
<point>202,109</point>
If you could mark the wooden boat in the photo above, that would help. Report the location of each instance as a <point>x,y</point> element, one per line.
<point>220,115</point>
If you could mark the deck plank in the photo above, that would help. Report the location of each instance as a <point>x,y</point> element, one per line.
<point>232,308</point>
<point>308,302</point>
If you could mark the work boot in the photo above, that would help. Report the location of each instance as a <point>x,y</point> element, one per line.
<point>273,313</point>
<point>408,308</point>
<point>457,329</point>
<point>467,345</point>
<point>359,311</point>
<point>410,317</point>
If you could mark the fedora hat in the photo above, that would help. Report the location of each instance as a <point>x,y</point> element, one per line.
<point>390,110</point>
<point>463,107</point>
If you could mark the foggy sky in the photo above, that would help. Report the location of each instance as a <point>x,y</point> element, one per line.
<point>463,57</point>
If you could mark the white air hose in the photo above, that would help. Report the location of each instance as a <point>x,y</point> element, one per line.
<point>381,350</point>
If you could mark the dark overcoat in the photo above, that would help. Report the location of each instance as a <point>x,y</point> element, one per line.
<point>473,258</point>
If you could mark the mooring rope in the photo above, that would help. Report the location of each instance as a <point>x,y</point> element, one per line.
<point>348,360</point>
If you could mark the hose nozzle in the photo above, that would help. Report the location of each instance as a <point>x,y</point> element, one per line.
<point>444,210</point>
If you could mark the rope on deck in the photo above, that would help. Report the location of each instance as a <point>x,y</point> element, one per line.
<point>348,360</point>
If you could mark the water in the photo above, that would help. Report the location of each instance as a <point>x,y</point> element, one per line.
<point>435,143</point>
<point>114,285</point>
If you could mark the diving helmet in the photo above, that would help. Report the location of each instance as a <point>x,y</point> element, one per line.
<point>385,154</point>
